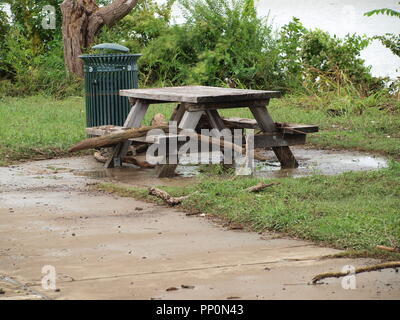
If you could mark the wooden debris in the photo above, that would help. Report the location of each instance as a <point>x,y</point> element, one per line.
<point>172,201</point>
<point>158,120</point>
<point>136,160</point>
<point>390,249</point>
<point>389,265</point>
<point>261,186</point>
<point>184,286</point>
<point>121,136</point>
<point>114,138</point>
<point>191,214</point>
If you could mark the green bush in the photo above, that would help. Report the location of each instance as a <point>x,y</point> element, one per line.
<point>313,59</point>
<point>145,23</point>
<point>33,73</point>
<point>221,42</point>
<point>220,39</point>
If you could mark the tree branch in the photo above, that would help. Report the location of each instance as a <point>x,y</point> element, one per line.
<point>115,11</point>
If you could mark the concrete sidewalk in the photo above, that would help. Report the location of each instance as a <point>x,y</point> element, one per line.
<point>107,247</point>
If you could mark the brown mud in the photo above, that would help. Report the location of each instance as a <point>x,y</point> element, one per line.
<point>106,247</point>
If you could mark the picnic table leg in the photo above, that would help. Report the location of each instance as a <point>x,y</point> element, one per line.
<point>133,120</point>
<point>284,154</point>
<point>216,122</point>
<point>189,121</point>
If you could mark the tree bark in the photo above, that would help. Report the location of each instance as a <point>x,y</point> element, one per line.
<point>82,20</point>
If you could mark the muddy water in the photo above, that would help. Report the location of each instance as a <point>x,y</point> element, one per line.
<point>106,247</point>
<point>312,161</point>
<point>324,162</point>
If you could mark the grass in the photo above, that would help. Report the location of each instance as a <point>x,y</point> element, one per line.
<point>355,210</point>
<point>40,127</point>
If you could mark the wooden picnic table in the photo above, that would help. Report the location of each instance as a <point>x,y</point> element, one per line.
<point>195,102</point>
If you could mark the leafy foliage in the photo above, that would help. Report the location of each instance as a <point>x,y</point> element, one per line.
<point>384,11</point>
<point>31,72</point>
<point>27,16</point>
<point>219,40</point>
<point>313,58</point>
<point>145,23</point>
<point>390,41</point>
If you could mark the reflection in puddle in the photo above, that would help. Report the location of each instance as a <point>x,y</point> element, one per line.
<point>311,162</point>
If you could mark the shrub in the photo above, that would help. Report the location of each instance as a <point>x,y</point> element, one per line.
<point>33,73</point>
<point>219,40</point>
<point>318,61</point>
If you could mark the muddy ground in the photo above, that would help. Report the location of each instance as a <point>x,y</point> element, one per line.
<point>106,247</point>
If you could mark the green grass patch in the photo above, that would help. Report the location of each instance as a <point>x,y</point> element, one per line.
<point>39,127</point>
<point>355,210</point>
<point>345,122</point>
<point>44,127</point>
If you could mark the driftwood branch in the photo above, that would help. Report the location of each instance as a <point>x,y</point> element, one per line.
<point>389,249</point>
<point>389,265</point>
<point>172,201</point>
<point>261,186</point>
<point>114,138</point>
<point>121,136</point>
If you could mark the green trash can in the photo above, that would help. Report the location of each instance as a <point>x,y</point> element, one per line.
<point>105,75</point>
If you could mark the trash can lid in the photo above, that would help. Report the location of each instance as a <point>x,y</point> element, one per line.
<point>111,46</point>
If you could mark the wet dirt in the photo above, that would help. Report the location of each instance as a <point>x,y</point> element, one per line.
<point>106,247</point>
<point>325,162</point>
<point>311,161</point>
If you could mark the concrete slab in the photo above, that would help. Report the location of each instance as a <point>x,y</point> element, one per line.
<point>107,247</point>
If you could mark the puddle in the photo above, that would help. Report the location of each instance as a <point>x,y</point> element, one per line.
<point>312,161</point>
<point>326,162</point>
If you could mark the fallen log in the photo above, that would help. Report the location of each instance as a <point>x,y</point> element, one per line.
<point>172,201</point>
<point>118,137</point>
<point>389,265</point>
<point>114,138</point>
<point>261,186</point>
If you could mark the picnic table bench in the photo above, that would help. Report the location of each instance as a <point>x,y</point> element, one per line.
<point>198,102</point>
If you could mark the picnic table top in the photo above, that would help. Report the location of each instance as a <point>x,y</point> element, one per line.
<point>199,94</point>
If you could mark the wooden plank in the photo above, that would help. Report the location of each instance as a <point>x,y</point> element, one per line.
<point>189,121</point>
<point>294,128</point>
<point>279,140</point>
<point>178,113</point>
<point>263,119</point>
<point>240,123</point>
<point>265,122</point>
<point>286,157</point>
<point>216,122</point>
<point>283,127</point>
<point>199,94</point>
<point>102,131</point>
<point>225,105</point>
<point>133,120</point>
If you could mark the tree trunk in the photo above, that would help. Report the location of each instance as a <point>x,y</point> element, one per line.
<point>82,20</point>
